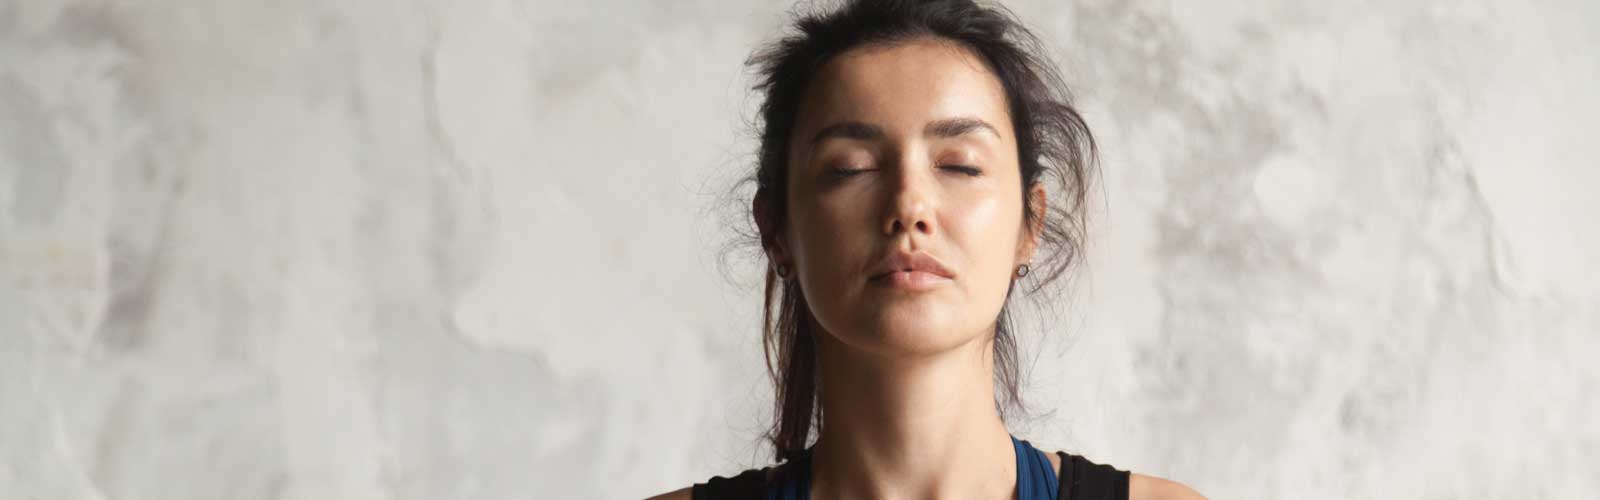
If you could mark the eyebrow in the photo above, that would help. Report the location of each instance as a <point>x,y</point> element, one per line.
<point>957,126</point>
<point>949,127</point>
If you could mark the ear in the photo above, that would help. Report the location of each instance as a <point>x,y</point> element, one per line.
<point>1037,204</point>
<point>771,240</point>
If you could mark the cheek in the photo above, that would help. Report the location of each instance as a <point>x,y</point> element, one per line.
<point>837,211</point>
<point>832,230</point>
<point>986,228</point>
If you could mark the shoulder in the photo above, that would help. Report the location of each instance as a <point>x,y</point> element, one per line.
<point>1142,487</point>
<point>686,493</point>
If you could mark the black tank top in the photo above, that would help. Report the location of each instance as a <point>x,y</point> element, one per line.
<point>1079,479</point>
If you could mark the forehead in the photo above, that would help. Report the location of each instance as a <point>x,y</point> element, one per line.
<point>904,84</point>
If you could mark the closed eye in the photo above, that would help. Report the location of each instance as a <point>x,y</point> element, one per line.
<point>969,171</point>
<point>840,172</point>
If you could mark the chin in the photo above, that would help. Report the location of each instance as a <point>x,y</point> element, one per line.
<point>910,332</point>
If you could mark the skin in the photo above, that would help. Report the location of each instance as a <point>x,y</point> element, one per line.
<point>907,381</point>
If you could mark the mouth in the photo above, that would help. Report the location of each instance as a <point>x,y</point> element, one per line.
<point>911,271</point>
<point>911,280</point>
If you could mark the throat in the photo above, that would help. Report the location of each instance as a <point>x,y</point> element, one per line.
<point>923,428</point>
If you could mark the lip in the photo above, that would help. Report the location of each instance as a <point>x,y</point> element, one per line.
<point>911,271</point>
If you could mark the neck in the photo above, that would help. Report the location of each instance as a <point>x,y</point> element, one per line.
<point>910,427</point>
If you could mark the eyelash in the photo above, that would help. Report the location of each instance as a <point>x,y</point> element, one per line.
<point>969,171</point>
<point>963,169</point>
<point>840,173</point>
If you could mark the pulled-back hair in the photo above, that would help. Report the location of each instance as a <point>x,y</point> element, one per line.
<point>1052,143</point>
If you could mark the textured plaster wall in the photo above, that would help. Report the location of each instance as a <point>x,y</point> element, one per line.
<point>417,250</point>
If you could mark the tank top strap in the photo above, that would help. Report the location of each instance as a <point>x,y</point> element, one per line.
<point>1085,480</point>
<point>1036,479</point>
<point>792,481</point>
<point>747,485</point>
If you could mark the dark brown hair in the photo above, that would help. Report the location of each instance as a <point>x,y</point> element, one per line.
<point>1053,142</point>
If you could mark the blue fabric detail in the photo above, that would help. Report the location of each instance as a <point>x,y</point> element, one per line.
<point>1036,479</point>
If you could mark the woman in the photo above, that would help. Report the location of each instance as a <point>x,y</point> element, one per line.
<point>900,197</point>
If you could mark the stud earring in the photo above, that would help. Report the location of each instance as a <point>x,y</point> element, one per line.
<point>783,271</point>
<point>1022,270</point>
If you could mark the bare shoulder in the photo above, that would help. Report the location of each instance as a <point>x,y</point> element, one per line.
<point>1142,487</point>
<point>682,494</point>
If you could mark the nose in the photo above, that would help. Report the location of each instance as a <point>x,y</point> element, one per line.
<point>911,202</point>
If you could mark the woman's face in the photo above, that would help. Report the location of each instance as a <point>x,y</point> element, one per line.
<point>905,149</point>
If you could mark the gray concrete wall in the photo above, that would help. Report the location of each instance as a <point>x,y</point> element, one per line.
<point>419,250</point>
